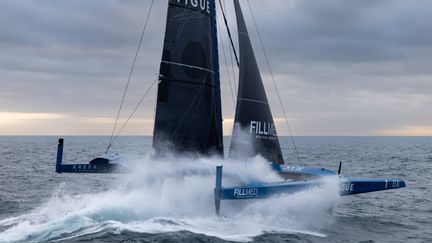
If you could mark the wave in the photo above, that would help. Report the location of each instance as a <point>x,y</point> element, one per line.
<point>174,195</point>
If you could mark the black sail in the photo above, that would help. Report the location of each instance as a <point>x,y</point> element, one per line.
<point>188,118</point>
<point>254,130</point>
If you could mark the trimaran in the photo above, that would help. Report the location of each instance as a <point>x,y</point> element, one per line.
<point>189,118</point>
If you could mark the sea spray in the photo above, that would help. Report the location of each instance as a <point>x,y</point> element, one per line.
<point>173,194</point>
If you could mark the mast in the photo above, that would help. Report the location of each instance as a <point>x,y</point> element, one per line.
<point>188,111</point>
<point>218,100</point>
<point>254,130</point>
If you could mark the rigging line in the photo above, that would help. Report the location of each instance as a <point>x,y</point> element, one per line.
<point>233,69</point>
<point>198,93</point>
<point>274,83</point>
<point>135,109</point>
<point>229,32</point>
<point>226,66</point>
<point>183,17</point>
<point>129,77</point>
<point>231,59</point>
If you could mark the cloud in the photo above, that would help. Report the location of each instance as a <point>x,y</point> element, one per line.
<point>342,68</point>
<point>408,131</point>
<point>16,123</point>
<point>13,118</point>
<point>19,123</point>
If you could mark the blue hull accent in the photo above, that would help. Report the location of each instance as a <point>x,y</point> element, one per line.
<point>302,172</point>
<point>347,186</point>
<point>351,186</point>
<point>259,191</point>
<point>88,168</point>
<point>85,168</point>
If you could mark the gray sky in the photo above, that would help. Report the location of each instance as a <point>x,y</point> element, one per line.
<point>342,67</point>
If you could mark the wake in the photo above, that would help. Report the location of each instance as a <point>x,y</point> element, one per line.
<point>172,195</point>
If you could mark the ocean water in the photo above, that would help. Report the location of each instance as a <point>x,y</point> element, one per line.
<point>171,200</point>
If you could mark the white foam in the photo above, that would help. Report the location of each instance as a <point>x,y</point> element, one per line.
<point>176,194</point>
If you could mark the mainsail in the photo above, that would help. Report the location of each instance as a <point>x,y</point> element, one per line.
<point>188,116</point>
<point>254,130</point>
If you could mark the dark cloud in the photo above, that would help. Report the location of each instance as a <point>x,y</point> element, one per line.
<point>347,31</point>
<point>74,56</point>
<point>342,67</point>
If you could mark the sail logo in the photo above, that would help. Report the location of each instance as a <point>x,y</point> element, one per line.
<point>246,192</point>
<point>262,128</point>
<point>202,5</point>
<point>295,168</point>
<point>346,187</point>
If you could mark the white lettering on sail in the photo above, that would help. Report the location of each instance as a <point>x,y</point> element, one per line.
<point>252,126</point>
<point>262,128</point>
<point>203,5</point>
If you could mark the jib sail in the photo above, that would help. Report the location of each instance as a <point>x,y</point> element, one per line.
<point>254,129</point>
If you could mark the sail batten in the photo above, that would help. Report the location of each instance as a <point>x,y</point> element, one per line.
<point>188,66</point>
<point>256,101</point>
<point>254,130</point>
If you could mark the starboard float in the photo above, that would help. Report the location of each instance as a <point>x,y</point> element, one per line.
<point>346,185</point>
<point>189,117</point>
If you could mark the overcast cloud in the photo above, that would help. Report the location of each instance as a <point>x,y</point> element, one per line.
<point>342,67</point>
